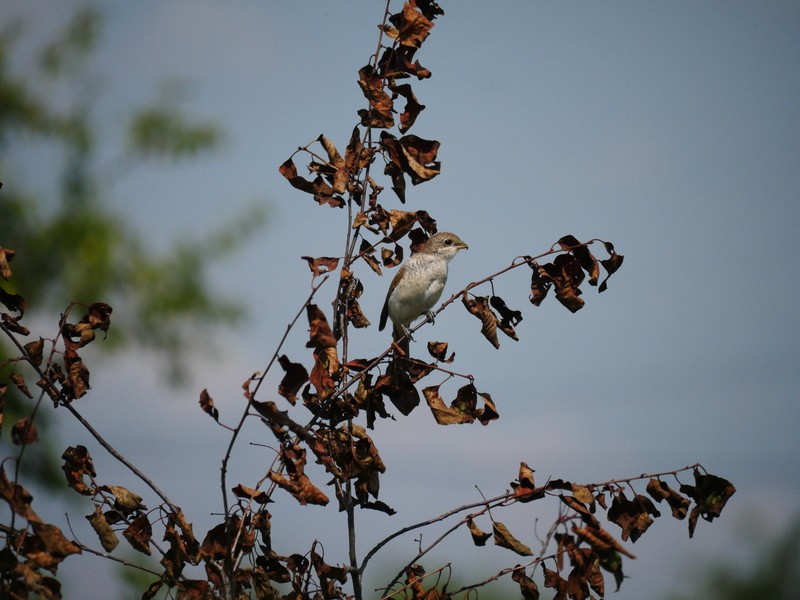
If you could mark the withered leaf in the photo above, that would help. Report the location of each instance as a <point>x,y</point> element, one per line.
<point>489,410</point>
<point>193,589</point>
<point>77,382</point>
<point>3,390</point>
<point>321,264</point>
<point>125,501</point>
<point>321,337</point>
<point>633,516</point>
<point>582,493</point>
<point>259,496</point>
<point>411,27</point>
<point>17,497</point>
<point>566,275</point>
<point>412,155</point>
<point>6,256</point>
<point>577,586</point>
<point>322,192</point>
<point>508,318</point>
<point>524,487</point>
<point>443,414</point>
<point>138,533</point>
<point>379,506</point>
<point>540,283</point>
<point>207,404</point>
<point>335,159</point>
<point>392,258</point>
<point>294,378</point>
<point>659,490</point>
<point>367,252</point>
<point>19,381</point>
<point>24,433</point>
<point>381,105</point>
<point>401,222</point>
<point>34,351</point>
<point>420,158</point>
<point>77,464</point>
<point>583,255</point>
<point>326,571</point>
<point>300,487</point>
<point>418,369</point>
<point>99,316</point>
<point>412,108</point>
<point>350,289</point>
<point>274,569</point>
<point>581,509</point>
<point>217,541</point>
<point>438,350</point>
<point>601,540</point>
<point>16,303</point>
<point>554,581</point>
<point>710,494</point>
<point>394,171</point>
<point>396,62</point>
<point>108,539</point>
<point>280,418</point>
<point>504,539</point>
<point>358,364</point>
<point>527,586</point>
<point>479,306</point>
<point>610,264</point>
<point>479,537</point>
<point>356,156</point>
<point>398,387</point>
<point>47,547</point>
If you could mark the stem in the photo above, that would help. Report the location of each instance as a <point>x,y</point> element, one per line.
<point>246,412</point>
<point>113,452</point>
<point>101,440</point>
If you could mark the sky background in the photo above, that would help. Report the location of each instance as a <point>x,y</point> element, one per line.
<point>670,129</point>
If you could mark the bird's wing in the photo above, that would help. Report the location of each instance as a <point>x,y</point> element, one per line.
<point>385,310</point>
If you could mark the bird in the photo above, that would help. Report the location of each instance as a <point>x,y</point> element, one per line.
<point>419,283</point>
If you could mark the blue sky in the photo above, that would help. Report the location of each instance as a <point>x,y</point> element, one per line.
<point>670,129</point>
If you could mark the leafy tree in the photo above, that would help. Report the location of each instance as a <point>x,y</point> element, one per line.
<point>70,242</point>
<point>331,399</point>
<point>774,573</point>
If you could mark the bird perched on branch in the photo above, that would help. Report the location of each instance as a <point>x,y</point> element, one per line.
<point>418,284</point>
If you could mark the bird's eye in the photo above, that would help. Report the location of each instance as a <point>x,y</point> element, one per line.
<point>448,242</point>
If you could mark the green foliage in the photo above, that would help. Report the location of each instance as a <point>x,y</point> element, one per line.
<point>774,574</point>
<point>72,246</point>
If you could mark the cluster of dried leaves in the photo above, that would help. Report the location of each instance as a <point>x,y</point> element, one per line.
<point>321,402</point>
<point>33,548</point>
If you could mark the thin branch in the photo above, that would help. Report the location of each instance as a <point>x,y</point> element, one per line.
<point>416,580</point>
<point>100,439</point>
<point>85,548</point>
<point>496,501</point>
<point>246,412</point>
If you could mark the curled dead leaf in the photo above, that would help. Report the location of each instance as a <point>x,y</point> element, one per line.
<point>504,539</point>
<point>108,539</point>
<point>479,537</point>
<point>479,306</point>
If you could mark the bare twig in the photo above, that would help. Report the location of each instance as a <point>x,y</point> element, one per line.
<point>246,412</point>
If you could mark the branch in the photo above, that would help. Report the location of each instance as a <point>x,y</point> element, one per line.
<point>496,501</point>
<point>238,428</point>
<point>100,439</point>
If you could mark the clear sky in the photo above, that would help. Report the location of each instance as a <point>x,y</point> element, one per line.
<point>669,128</point>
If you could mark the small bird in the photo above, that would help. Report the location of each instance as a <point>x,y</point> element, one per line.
<point>419,283</point>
